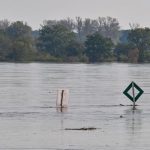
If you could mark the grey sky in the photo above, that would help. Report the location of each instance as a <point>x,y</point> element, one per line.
<point>35,11</point>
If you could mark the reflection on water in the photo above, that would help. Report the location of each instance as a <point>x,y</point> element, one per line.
<point>133,120</point>
<point>134,127</point>
<point>62,109</point>
<point>29,118</point>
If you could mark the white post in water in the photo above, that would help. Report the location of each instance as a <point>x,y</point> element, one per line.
<point>62,98</point>
<point>133,93</point>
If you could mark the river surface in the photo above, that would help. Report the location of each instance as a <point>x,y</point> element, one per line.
<point>29,119</point>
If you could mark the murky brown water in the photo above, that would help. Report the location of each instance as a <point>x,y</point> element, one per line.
<point>29,119</point>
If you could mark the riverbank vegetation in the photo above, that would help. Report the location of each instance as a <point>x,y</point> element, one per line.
<point>80,40</point>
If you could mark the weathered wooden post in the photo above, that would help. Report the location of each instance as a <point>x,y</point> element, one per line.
<point>62,98</point>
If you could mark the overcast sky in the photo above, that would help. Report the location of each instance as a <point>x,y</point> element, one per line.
<point>35,11</point>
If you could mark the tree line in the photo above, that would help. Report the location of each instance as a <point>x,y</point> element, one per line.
<point>79,40</point>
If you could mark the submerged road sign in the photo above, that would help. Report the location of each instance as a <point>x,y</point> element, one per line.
<point>132,86</point>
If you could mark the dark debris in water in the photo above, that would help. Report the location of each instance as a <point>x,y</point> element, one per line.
<point>127,105</point>
<point>121,116</point>
<point>82,129</point>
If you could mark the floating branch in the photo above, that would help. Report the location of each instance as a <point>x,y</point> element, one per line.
<point>84,129</point>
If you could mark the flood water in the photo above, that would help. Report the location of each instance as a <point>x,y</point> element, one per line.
<point>29,118</point>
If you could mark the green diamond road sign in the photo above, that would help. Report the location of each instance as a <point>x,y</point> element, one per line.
<point>133,85</point>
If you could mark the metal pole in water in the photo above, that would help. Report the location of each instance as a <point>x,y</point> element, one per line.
<point>133,93</point>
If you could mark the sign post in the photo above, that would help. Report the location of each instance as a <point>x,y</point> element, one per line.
<point>133,93</point>
<point>133,97</point>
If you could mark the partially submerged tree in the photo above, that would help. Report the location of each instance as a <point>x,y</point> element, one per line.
<point>22,43</point>
<point>54,39</point>
<point>75,52</point>
<point>140,39</point>
<point>98,48</point>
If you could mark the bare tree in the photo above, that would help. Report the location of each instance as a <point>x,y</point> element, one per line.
<point>109,27</point>
<point>106,26</point>
<point>94,25</point>
<point>134,26</point>
<point>68,23</point>
<point>79,27</point>
<point>4,24</point>
<point>89,27</point>
<point>49,23</point>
